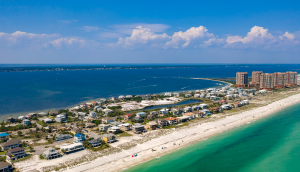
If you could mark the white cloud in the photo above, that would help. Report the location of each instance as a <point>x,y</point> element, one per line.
<point>59,43</point>
<point>183,39</point>
<point>256,36</point>
<point>19,38</point>
<point>90,28</point>
<point>141,36</point>
<point>117,31</point>
<point>288,36</point>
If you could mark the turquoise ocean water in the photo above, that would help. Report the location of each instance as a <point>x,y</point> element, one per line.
<point>269,144</point>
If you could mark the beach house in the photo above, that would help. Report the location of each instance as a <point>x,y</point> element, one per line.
<point>191,115</point>
<point>93,114</point>
<point>60,137</point>
<point>25,122</point>
<point>152,125</point>
<point>51,153</point>
<point>176,94</point>
<point>138,119</point>
<point>68,148</point>
<point>3,137</point>
<point>188,95</point>
<point>138,128</point>
<point>187,109</point>
<point>15,153</point>
<point>164,111</point>
<point>6,167</point>
<point>195,107</point>
<point>103,127</point>
<point>114,130</point>
<point>141,114</point>
<point>53,113</point>
<point>161,122</point>
<point>107,111</point>
<point>42,114</point>
<point>79,138</point>
<point>128,117</point>
<point>206,111</point>
<point>13,143</point>
<point>11,120</point>
<point>171,120</point>
<point>203,106</point>
<point>124,127</point>
<point>150,117</point>
<point>60,118</point>
<point>107,120</point>
<point>121,97</point>
<point>95,142</point>
<point>108,138</point>
<point>128,96</point>
<point>168,94</point>
<point>226,107</point>
<point>183,118</point>
<point>197,95</point>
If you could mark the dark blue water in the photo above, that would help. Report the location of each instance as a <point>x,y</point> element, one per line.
<point>34,91</point>
<point>170,105</point>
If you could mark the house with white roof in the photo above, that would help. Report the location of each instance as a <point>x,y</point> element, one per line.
<point>203,106</point>
<point>93,114</point>
<point>164,111</point>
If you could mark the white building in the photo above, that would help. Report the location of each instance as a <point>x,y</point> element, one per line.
<point>72,147</point>
<point>93,114</point>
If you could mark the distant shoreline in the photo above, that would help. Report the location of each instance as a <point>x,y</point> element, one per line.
<point>4,116</point>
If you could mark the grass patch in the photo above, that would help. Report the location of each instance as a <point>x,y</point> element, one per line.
<point>41,123</point>
<point>100,148</point>
<point>42,157</point>
<point>3,153</point>
<point>169,127</point>
<point>23,159</point>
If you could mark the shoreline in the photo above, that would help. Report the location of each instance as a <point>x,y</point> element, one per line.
<point>184,136</point>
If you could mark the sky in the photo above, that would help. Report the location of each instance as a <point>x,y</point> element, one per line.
<point>123,32</point>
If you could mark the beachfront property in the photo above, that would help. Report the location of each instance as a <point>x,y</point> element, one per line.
<point>176,94</point>
<point>153,113</point>
<point>61,137</point>
<point>93,114</point>
<point>242,79</point>
<point>124,127</point>
<point>150,117</point>
<point>226,107</point>
<point>190,115</point>
<point>79,138</point>
<point>103,127</point>
<point>138,119</point>
<point>138,128</point>
<point>6,167</point>
<point>114,130</point>
<point>203,106</point>
<point>31,115</point>
<point>266,81</point>
<point>152,125</point>
<point>47,120</point>
<point>4,137</point>
<point>164,111</point>
<point>141,114</point>
<point>171,120</point>
<point>128,96</point>
<point>188,109</point>
<point>68,148</point>
<point>11,120</point>
<point>95,142</point>
<point>168,94</point>
<point>25,122</point>
<point>60,118</point>
<point>205,111</point>
<point>13,143</point>
<point>107,120</point>
<point>256,77</point>
<point>188,95</point>
<point>15,153</point>
<point>51,153</point>
<point>109,138</point>
<point>128,117</point>
<point>53,113</point>
<point>107,111</point>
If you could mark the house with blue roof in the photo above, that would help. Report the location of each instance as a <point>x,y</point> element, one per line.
<point>79,138</point>
<point>141,114</point>
<point>4,137</point>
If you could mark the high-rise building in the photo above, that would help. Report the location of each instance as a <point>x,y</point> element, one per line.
<point>291,78</point>
<point>280,80</point>
<point>256,77</point>
<point>242,79</point>
<point>266,81</point>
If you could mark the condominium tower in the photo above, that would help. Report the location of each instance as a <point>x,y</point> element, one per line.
<point>266,81</point>
<point>256,77</point>
<point>242,79</point>
<point>280,80</point>
<point>291,78</point>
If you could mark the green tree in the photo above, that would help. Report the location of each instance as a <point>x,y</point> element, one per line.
<point>19,133</point>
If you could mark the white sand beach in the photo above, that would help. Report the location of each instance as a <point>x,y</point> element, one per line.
<point>175,139</point>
